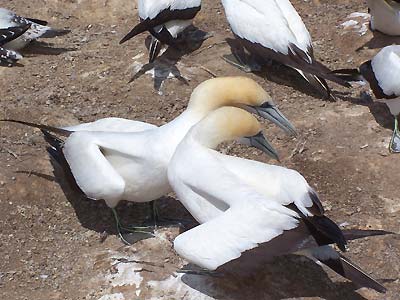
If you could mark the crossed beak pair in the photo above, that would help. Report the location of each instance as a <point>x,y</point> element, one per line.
<point>272,113</point>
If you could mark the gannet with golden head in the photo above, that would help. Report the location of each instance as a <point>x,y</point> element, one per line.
<point>165,20</point>
<point>272,29</point>
<point>132,166</point>
<point>249,211</point>
<point>385,16</point>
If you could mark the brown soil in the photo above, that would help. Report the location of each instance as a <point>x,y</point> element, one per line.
<point>55,245</point>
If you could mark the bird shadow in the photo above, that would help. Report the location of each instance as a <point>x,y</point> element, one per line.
<point>286,277</point>
<point>277,72</point>
<point>97,216</point>
<point>165,66</point>
<point>380,40</point>
<point>10,65</point>
<point>43,48</point>
<point>378,110</point>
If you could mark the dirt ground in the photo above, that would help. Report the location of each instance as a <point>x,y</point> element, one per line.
<point>56,245</point>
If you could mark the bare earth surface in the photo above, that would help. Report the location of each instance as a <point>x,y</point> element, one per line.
<point>55,245</point>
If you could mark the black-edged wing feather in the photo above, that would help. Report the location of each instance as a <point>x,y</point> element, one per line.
<point>37,21</point>
<point>313,71</point>
<point>162,18</point>
<point>351,271</point>
<point>11,33</point>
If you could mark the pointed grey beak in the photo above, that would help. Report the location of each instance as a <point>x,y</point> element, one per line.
<point>260,142</point>
<point>272,113</point>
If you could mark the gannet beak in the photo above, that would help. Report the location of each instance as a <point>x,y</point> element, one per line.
<point>260,142</point>
<point>273,114</point>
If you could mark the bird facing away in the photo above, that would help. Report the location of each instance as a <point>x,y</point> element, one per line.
<point>38,29</point>
<point>249,211</point>
<point>385,16</point>
<point>10,57</point>
<point>132,166</point>
<point>383,75</point>
<point>273,30</point>
<point>164,20</point>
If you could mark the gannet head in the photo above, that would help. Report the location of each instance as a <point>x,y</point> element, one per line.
<point>240,92</point>
<point>231,123</point>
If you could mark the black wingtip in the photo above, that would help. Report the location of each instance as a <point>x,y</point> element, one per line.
<point>354,234</point>
<point>141,27</point>
<point>349,75</point>
<point>352,272</point>
<point>326,232</point>
<point>42,127</point>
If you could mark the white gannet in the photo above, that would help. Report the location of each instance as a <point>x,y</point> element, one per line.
<point>9,57</point>
<point>383,75</point>
<point>132,166</point>
<point>249,211</point>
<point>272,29</point>
<point>385,16</point>
<point>164,20</point>
<point>38,29</point>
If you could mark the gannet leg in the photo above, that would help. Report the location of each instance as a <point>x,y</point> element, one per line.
<point>242,61</point>
<point>140,232</point>
<point>394,146</point>
<point>162,222</point>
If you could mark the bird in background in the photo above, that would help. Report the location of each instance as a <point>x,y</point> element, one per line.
<point>383,75</point>
<point>165,20</point>
<point>273,30</point>
<point>250,211</point>
<point>38,29</point>
<point>385,16</point>
<point>116,159</point>
<point>10,57</point>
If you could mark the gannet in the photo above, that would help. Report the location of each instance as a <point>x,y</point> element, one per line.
<point>249,211</point>
<point>164,20</point>
<point>9,57</point>
<point>132,166</point>
<point>385,16</point>
<point>272,29</point>
<point>383,75</point>
<point>38,29</point>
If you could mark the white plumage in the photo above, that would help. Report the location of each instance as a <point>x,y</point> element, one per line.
<point>386,67</point>
<point>151,8</point>
<point>112,125</point>
<point>385,16</point>
<point>272,23</point>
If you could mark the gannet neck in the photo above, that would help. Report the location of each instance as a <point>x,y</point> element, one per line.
<point>225,124</point>
<point>226,91</point>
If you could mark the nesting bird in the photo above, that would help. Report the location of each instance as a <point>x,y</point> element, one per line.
<point>37,29</point>
<point>116,160</point>
<point>249,211</point>
<point>385,16</point>
<point>164,20</point>
<point>383,75</point>
<point>273,30</point>
<point>9,57</point>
